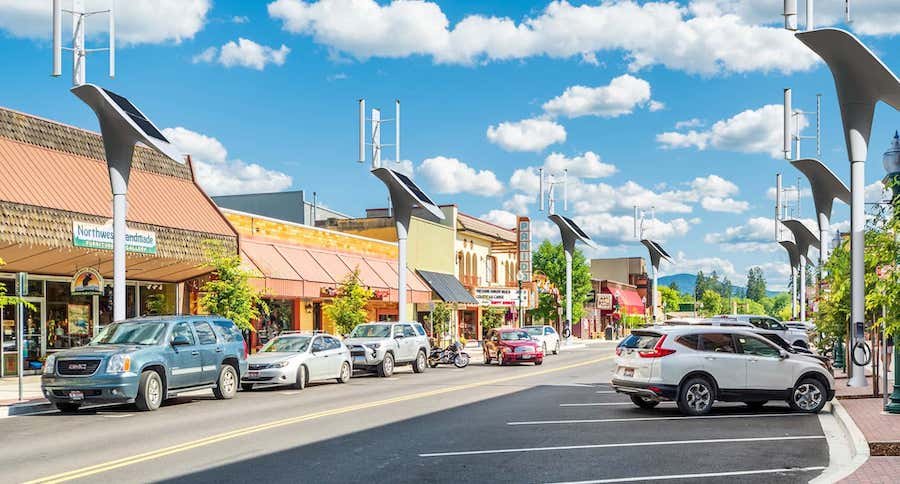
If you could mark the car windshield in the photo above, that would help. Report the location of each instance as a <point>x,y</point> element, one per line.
<point>514,336</point>
<point>534,330</point>
<point>778,340</point>
<point>131,333</point>
<point>287,344</point>
<point>371,331</point>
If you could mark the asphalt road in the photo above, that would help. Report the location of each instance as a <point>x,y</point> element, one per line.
<point>482,423</point>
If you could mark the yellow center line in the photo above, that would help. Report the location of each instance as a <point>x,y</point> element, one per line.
<point>156,454</point>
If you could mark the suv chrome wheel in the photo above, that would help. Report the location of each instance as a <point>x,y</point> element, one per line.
<point>697,396</point>
<point>808,396</point>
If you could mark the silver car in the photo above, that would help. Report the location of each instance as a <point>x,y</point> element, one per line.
<point>546,336</point>
<point>380,347</point>
<point>295,359</point>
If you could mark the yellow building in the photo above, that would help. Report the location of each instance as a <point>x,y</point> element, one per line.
<point>299,268</point>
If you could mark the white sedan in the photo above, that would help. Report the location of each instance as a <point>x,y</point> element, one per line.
<point>546,336</point>
<point>295,359</point>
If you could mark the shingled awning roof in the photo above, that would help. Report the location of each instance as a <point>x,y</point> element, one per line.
<point>53,175</point>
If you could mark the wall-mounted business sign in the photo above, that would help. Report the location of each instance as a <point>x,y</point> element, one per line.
<point>502,296</point>
<point>93,236</point>
<point>605,301</point>
<point>523,231</point>
<point>87,282</point>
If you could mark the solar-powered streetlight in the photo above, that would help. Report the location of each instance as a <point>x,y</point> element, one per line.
<point>122,125</point>
<point>570,233</point>
<point>804,238</point>
<point>657,253</point>
<point>826,187</point>
<point>861,80</point>
<point>405,194</point>
<point>794,259</point>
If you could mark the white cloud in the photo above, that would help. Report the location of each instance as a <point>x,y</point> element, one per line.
<point>532,134</point>
<point>728,205</point>
<point>713,186</point>
<point>608,229</point>
<point>647,34</point>
<point>751,131</point>
<point>501,218</point>
<point>217,174</point>
<point>449,175</point>
<point>586,165</point>
<point>875,192</point>
<point>519,203</point>
<point>526,180</point>
<point>690,123</point>
<point>620,97</point>
<point>757,234</point>
<point>240,19</point>
<point>137,21</point>
<point>405,167</point>
<point>654,106</point>
<point>244,53</point>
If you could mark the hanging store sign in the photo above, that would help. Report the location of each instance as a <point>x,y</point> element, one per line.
<point>501,296</point>
<point>93,236</point>
<point>87,282</point>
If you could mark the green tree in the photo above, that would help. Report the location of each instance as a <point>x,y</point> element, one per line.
<point>490,319</point>
<point>348,308</point>
<point>439,319</point>
<point>550,259</point>
<point>712,303</point>
<point>674,286</point>
<point>756,284</point>
<point>6,300</point>
<point>670,298</point>
<point>228,293</point>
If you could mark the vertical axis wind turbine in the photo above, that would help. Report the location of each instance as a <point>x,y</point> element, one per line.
<point>861,80</point>
<point>785,207</point>
<point>804,239</point>
<point>569,232</point>
<point>78,49</point>
<point>405,194</point>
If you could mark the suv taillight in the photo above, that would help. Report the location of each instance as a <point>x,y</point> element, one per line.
<point>246,350</point>
<point>658,351</point>
<point>618,351</point>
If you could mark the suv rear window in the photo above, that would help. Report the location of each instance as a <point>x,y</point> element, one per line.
<point>640,341</point>
<point>228,331</point>
<point>692,341</point>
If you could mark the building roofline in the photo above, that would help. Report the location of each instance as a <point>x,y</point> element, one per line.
<point>310,227</point>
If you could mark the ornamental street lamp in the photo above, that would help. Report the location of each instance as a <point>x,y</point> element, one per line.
<point>657,253</point>
<point>570,233</point>
<point>861,80</point>
<point>892,167</point>
<point>794,259</point>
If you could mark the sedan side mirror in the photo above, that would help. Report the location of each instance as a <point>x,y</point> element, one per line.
<point>180,340</point>
<point>398,336</point>
<point>783,354</point>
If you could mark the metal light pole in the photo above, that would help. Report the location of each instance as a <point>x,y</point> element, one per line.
<point>892,167</point>
<point>657,253</point>
<point>570,233</point>
<point>804,239</point>
<point>861,80</point>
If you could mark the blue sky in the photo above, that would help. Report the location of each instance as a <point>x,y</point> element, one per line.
<point>662,104</point>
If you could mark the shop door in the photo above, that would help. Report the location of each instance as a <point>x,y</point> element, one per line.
<point>34,338</point>
<point>317,316</point>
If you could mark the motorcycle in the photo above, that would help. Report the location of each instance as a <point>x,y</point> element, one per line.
<point>451,354</point>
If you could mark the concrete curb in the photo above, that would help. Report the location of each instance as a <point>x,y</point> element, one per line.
<point>847,446</point>
<point>25,408</point>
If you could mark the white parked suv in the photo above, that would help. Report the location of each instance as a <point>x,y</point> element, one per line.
<point>381,347</point>
<point>695,365</point>
<point>546,336</point>
<point>796,337</point>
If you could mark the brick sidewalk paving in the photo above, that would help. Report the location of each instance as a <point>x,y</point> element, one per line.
<point>876,470</point>
<point>882,432</point>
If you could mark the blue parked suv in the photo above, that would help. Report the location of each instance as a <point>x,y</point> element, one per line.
<point>146,360</point>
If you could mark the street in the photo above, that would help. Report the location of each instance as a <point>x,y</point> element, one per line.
<point>555,423</point>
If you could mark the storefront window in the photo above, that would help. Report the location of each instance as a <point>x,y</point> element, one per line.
<point>8,336</point>
<point>157,299</point>
<point>279,319</point>
<point>106,304</point>
<point>70,319</point>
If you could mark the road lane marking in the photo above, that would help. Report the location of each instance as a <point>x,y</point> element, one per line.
<point>697,476</point>
<point>165,451</point>
<point>606,391</point>
<point>645,419</point>
<point>601,404</point>
<point>624,444</point>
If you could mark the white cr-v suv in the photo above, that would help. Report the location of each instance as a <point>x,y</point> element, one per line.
<point>697,365</point>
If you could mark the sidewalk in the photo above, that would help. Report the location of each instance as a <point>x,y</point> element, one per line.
<point>33,399</point>
<point>881,430</point>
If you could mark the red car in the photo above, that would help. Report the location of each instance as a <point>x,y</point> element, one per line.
<point>508,345</point>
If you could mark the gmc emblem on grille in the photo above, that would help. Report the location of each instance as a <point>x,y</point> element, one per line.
<point>77,366</point>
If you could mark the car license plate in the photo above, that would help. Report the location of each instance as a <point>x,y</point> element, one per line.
<point>526,357</point>
<point>252,374</point>
<point>359,359</point>
<point>76,395</point>
<point>628,372</point>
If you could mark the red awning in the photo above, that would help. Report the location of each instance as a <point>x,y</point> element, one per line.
<point>630,302</point>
